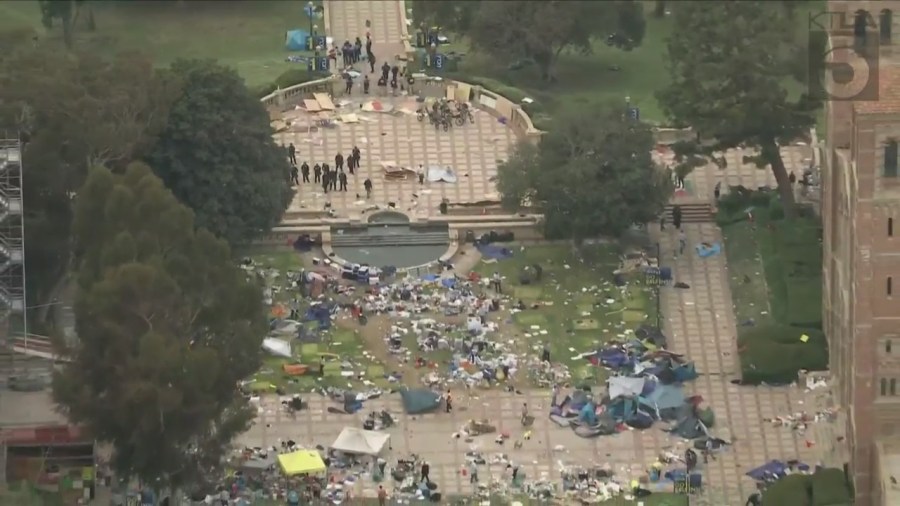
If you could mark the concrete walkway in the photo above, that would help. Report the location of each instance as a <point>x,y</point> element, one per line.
<point>347,20</point>
<point>701,324</point>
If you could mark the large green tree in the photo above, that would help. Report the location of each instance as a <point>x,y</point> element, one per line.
<point>538,31</point>
<point>735,69</point>
<point>167,326</point>
<point>218,156</point>
<point>74,110</point>
<point>591,175</point>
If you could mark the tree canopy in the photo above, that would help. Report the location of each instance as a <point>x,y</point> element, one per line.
<point>537,31</point>
<point>73,110</point>
<point>592,174</point>
<point>735,68</point>
<point>217,154</point>
<point>167,326</point>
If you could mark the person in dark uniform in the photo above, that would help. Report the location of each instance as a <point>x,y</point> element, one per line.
<point>295,176</point>
<point>366,85</point>
<point>317,173</point>
<point>304,171</point>
<point>357,156</point>
<point>292,153</point>
<point>339,162</point>
<point>334,180</point>
<point>367,184</point>
<point>385,70</point>
<point>343,180</point>
<point>371,63</point>
<point>326,181</point>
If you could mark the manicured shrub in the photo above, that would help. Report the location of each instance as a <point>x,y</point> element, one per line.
<point>829,488</point>
<point>774,354</point>
<point>791,490</point>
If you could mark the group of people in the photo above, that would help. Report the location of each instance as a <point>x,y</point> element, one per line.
<point>331,179</point>
<point>352,53</point>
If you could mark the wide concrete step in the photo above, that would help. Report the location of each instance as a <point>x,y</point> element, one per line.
<point>407,239</point>
<point>692,213</point>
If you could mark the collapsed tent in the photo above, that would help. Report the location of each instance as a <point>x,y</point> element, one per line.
<point>295,40</point>
<point>320,313</point>
<point>301,462</point>
<point>420,400</point>
<point>774,470</point>
<point>441,175</point>
<point>360,442</point>
<point>621,386</point>
<point>277,347</point>
<point>493,252</point>
<point>688,424</point>
<point>666,400</point>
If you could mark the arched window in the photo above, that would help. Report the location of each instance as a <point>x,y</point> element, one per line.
<point>890,159</point>
<point>885,19</point>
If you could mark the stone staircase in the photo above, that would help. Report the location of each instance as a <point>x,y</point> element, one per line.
<point>692,213</point>
<point>405,239</point>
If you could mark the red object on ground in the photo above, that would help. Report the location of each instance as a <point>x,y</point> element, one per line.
<point>474,277</point>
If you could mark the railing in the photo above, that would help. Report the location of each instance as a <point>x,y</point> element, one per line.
<point>289,97</point>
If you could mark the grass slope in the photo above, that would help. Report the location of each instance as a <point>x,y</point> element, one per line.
<point>246,35</point>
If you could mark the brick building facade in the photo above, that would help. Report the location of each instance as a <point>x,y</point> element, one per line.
<point>861,267</point>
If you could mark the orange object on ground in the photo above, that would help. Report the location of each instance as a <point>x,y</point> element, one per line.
<point>295,369</point>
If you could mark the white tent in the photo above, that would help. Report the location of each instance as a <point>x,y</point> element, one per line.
<point>360,442</point>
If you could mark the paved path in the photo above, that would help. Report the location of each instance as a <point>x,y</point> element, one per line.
<point>701,324</point>
<point>347,20</point>
<point>472,150</point>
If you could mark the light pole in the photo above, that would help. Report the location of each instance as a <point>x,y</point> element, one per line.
<point>310,11</point>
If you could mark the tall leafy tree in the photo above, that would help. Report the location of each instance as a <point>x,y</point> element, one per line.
<point>734,75</point>
<point>218,156</point>
<point>74,110</point>
<point>591,175</point>
<point>538,31</point>
<point>167,326</point>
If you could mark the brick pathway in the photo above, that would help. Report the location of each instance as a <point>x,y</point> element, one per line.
<point>701,324</point>
<point>472,150</point>
<point>347,20</point>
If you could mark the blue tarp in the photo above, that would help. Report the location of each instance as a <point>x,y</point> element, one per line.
<point>713,249</point>
<point>773,470</point>
<point>431,277</point>
<point>321,314</point>
<point>295,40</point>
<point>448,282</point>
<point>666,397</point>
<point>494,252</point>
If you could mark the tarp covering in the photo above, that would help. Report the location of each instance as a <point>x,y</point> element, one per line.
<point>494,252</point>
<point>666,397</point>
<point>420,400</point>
<point>278,347</point>
<point>295,40</point>
<point>301,462</point>
<point>620,386</point>
<point>360,442</point>
<point>441,175</point>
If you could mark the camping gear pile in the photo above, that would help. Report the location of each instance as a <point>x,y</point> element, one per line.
<point>646,389</point>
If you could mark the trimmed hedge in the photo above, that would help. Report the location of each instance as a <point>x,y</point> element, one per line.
<point>774,354</point>
<point>829,488</point>
<point>287,79</point>
<point>791,490</point>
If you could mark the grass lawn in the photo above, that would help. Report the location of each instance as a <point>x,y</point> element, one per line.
<point>749,293</point>
<point>606,74</point>
<point>246,35</point>
<point>337,344</point>
<point>581,307</point>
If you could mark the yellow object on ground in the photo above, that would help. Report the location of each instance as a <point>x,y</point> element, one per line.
<point>301,462</point>
<point>804,338</point>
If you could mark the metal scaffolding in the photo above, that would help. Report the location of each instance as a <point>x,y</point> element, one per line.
<point>12,242</point>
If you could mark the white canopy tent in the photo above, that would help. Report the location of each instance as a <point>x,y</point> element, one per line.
<point>360,442</point>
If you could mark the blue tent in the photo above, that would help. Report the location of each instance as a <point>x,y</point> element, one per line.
<point>295,40</point>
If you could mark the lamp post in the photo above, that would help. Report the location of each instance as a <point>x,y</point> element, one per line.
<point>315,41</point>
<point>310,11</point>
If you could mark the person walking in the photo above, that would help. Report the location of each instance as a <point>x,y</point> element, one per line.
<point>473,472</point>
<point>448,402</point>
<point>676,217</point>
<point>682,242</point>
<point>425,470</point>
<point>371,63</point>
<point>367,184</point>
<point>366,84</point>
<point>382,496</point>
<point>292,153</point>
<point>349,81</point>
<point>295,176</point>
<point>524,419</point>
